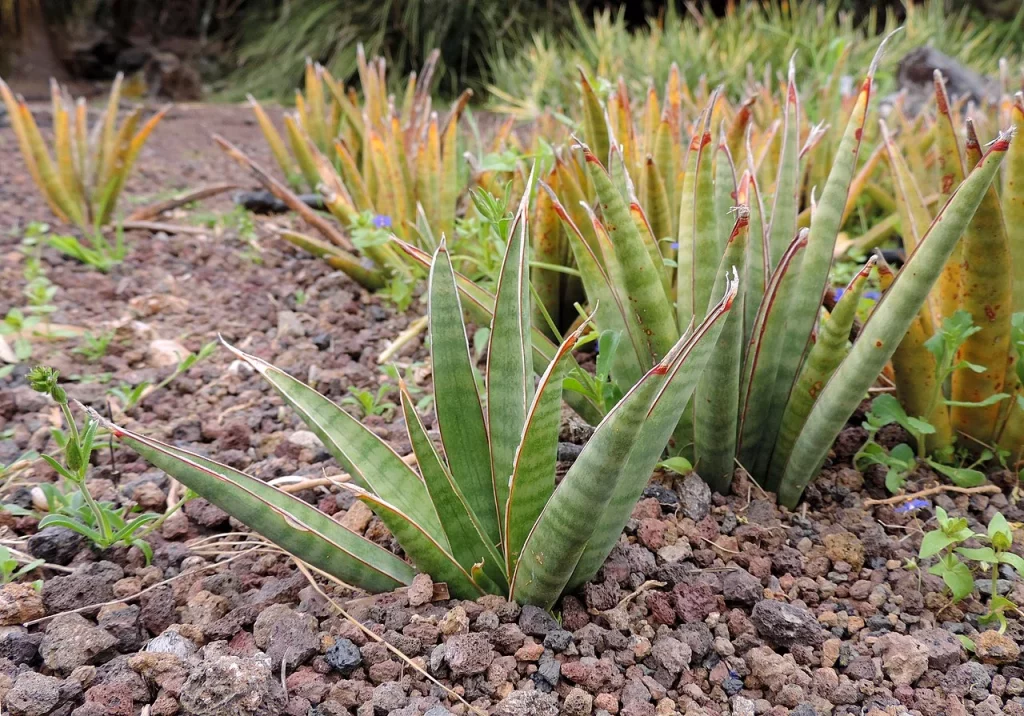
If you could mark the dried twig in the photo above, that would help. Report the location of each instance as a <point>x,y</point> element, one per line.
<point>981,489</point>
<point>337,480</point>
<point>414,329</point>
<point>283,193</point>
<point>154,210</point>
<point>165,227</point>
<point>648,585</point>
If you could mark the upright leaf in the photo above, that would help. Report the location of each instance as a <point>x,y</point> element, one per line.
<point>460,416</point>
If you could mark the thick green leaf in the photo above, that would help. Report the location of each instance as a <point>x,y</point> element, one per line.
<point>460,416</point>
<point>469,544</point>
<point>370,461</point>
<point>479,303</point>
<point>828,351</point>
<point>600,480</point>
<point>285,520</point>
<point>610,314</point>
<point>533,477</point>
<point>979,554</point>
<point>423,550</point>
<point>782,227</point>
<point>760,365</point>
<point>716,401</point>
<point>888,324</point>
<point>510,357</point>
<point>935,542</point>
<point>641,278</point>
<point>805,305</point>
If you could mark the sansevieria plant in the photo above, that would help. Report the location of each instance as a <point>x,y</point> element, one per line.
<point>959,368</point>
<point>84,176</point>
<point>781,386</point>
<point>483,511</point>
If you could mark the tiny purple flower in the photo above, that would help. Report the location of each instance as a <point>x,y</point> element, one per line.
<point>382,221</point>
<point>674,245</point>
<point>839,292</point>
<point>873,295</point>
<point>917,504</point>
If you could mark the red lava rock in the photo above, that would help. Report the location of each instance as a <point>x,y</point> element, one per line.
<point>590,673</point>
<point>694,601</point>
<point>661,608</point>
<point>651,533</point>
<point>115,699</point>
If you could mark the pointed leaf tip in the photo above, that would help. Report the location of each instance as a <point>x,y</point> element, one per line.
<point>878,54</point>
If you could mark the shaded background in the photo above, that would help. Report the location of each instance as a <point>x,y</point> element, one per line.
<point>187,49</point>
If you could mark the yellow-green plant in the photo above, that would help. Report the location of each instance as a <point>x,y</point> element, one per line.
<point>958,366</point>
<point>398,165</point>
<point>82,177</point>
<point>485,514</point>
<point>722,49</point>
<point>775,397</point>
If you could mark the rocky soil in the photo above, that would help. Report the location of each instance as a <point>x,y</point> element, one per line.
<point>708,605</point>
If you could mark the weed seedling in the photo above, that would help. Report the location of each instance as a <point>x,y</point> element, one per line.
<point>99,522</point>
<point>946,543</point>
<point>369,403</point>
<point>11,569</point>
<point>94,346</point>
<point>131,395</point>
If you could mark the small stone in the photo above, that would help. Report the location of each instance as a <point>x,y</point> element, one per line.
<point>165,353</point>
<point>671,654</point>
<point>286,636</point>
<point>344,656</point>
<point>171,641</point>
<point>89,584</point>
<point>830,652</point>
<point>20,603</point>
<point>772,670</point>
<point>388,698</point>
<point>845,547</point>
<point>529,652</point>
<point>742,706</point>
<point>534,621</point>
<point>468,654</point>
<point>111,699</point>
<point>232,686</point>
<point>527,703</point>
<point>57,545</point>
<point>695,496</point>
<point>18,645</point>
<point>122,622</point>
<point>943,648</point>
<point>672,553</point>
<point>558,640</point>
<point>995,648</point>
<point>577,703</point>
<point>357,517</point>
<point>33,695</point>
<point>421,591</point>
<point>904,659</point>
<point>785,624</point>
<point>289,323</point>
<point>740,586</point>
<point>305,439</point>
<point>71,640</point>
<point>590,673</point>
<point>455,621</point>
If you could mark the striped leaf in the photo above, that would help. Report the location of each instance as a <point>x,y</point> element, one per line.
<point>370,461</point>
<point>887,325</point>
<point>460,416</point>
<point>510,358</point>
<point>282,518</point>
